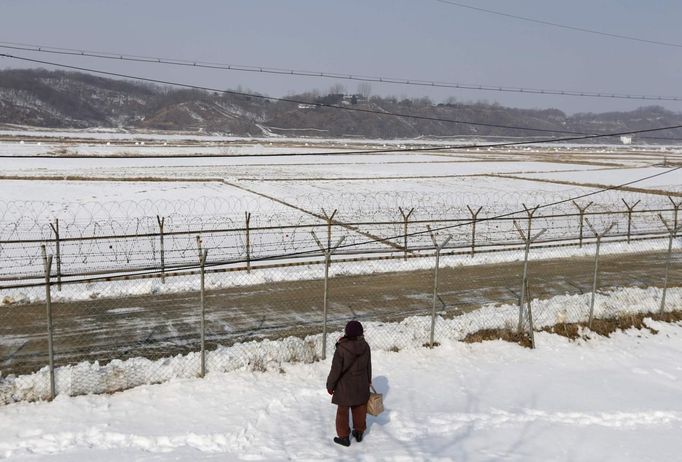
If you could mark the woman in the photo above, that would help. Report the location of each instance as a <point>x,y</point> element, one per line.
<point>349,381</point>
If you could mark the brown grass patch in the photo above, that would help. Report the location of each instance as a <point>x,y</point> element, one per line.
<point>672,316</point>
<point>508,335</point>
<point>573,331</point>
<point>606,327</point>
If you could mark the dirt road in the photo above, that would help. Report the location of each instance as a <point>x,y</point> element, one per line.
<point>168,324</point>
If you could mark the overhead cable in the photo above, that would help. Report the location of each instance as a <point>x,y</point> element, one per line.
<point>330,75</point>
<point>359,152</point>
<point>562,26</point>
<point>287,100</point>
<point>582,135</point>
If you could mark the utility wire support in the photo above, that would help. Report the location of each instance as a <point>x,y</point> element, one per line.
<point>330,75</point>
<point>562,26</point>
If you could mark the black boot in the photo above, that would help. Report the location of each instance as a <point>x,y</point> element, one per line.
<point>342,441</point>
<point>357,435</point>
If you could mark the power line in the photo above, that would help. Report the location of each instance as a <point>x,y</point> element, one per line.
<point>287,100</point>
<point>581,136</point>
<point>331,75</point>
<point>562,26</point>
<point>358,152</point>
<point>347,153</point>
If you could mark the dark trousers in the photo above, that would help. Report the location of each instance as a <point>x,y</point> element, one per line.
<point>359,419</point>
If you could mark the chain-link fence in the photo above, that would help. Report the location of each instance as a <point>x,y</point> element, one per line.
<point>95,239</point>
<point>412,282</point>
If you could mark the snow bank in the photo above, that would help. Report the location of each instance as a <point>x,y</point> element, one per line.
<point>606,399</point>
<point>91,377</point>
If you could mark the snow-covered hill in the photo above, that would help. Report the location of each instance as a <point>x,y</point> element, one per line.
<point>74,100</point>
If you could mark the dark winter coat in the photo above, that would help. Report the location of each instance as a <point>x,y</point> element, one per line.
<point>351,372</point>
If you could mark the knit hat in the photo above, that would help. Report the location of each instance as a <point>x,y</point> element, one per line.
<point>354,329</point>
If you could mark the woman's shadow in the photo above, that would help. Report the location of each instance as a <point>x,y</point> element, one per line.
<point>380,384</point>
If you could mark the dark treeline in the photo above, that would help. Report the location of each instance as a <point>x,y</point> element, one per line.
<point>58,99</point>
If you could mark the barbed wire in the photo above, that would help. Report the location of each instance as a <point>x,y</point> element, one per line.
<point>104,244</point>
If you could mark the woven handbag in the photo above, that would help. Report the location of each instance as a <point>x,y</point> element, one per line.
<point>375,405</point>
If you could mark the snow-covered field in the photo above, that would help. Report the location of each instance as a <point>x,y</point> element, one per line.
<point>589,400</point>
<point>670,182</point>
<point>463,176</point>
<point>603,399</point>
<point>86,202</point>
<point>214,193</point>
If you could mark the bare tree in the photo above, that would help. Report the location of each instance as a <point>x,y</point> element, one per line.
<point>337,89</point>
<point>365,89</point>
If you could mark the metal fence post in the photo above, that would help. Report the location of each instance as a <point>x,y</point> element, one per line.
<point>55,230</point>
<point>161,221</point>
<point>531,328</point>
<point>582,219</point>
<point>594,281</point>
<point>202,263</point>
<point>528,240</point>
<point>673,232</point>
<point>595,277</point>
<point>530,213</point>
<point>327,251</point>
<point>474,217</point>
<point>406,220</point>
<point>629,212</point>
<point>330,222</point>
<point>47,262</point>
<point>248,241</point>
<point>439,248</point>
<point>676,206</point>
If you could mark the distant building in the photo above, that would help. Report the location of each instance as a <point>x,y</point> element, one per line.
<point>355,98</point>
<point>340,98</point>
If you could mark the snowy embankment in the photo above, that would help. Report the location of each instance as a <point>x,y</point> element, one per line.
<point>413,332</point>
<point>605,399</point>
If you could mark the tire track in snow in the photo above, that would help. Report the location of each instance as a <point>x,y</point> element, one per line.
<point>498,418</point>
<point>55,443</point>
<point>442,423</point>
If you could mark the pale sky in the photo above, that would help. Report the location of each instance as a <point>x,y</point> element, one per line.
<point>416,39</point>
